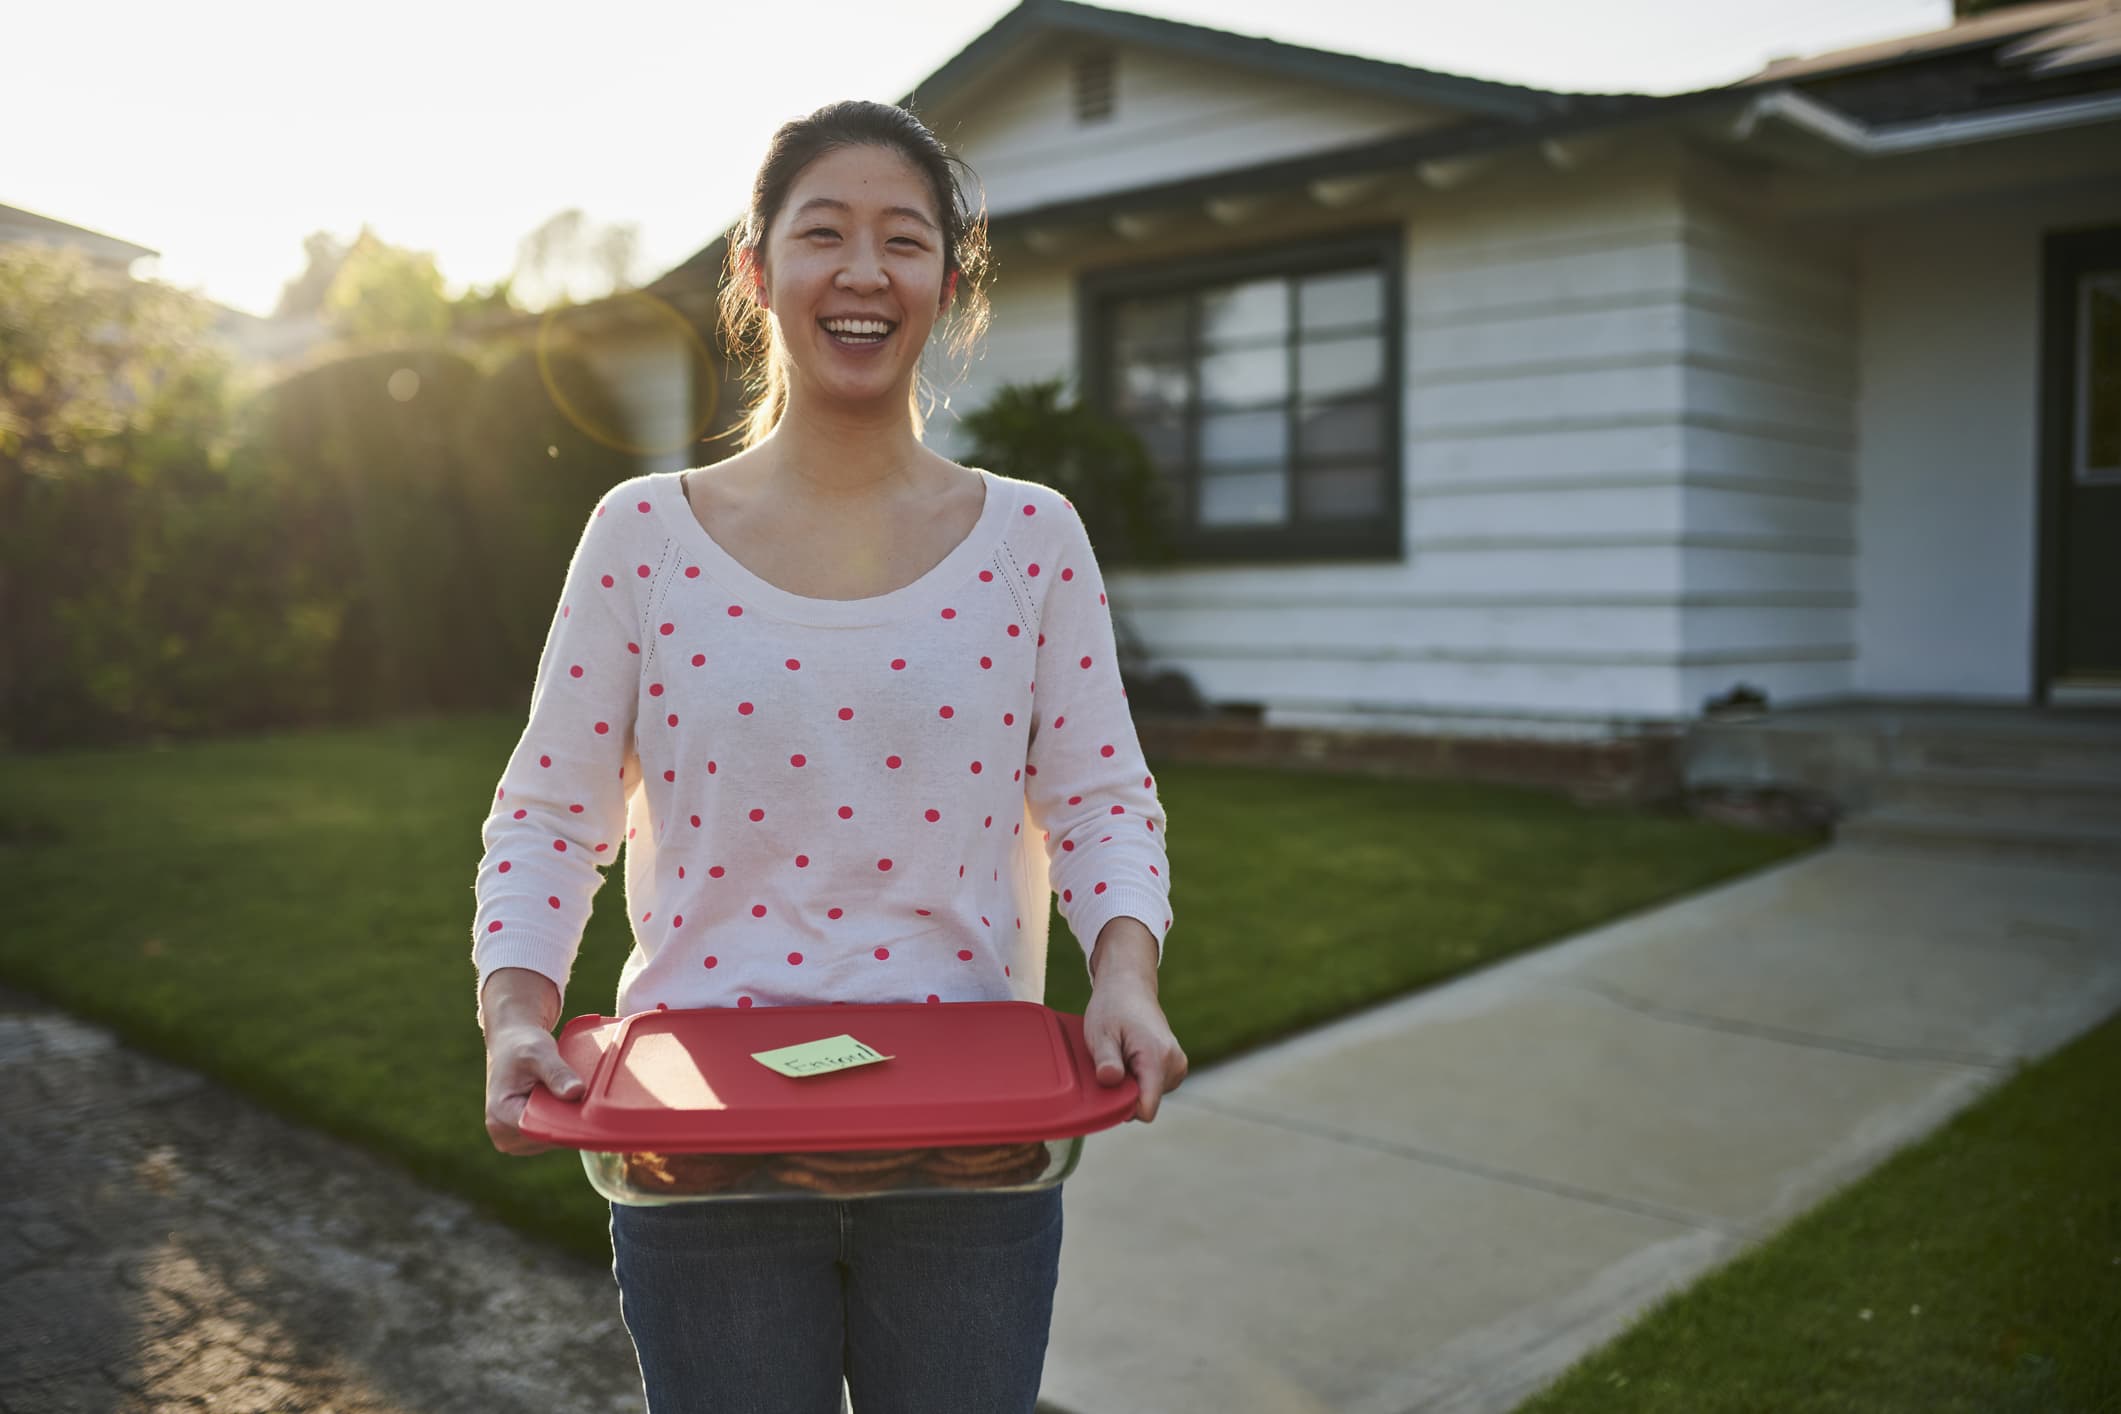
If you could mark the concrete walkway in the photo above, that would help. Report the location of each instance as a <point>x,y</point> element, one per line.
<point>1441,1204</point>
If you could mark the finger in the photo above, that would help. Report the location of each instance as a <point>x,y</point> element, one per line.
<point>1149,1073</point>
<point>1105,1050</point>
<point>558,1078</point>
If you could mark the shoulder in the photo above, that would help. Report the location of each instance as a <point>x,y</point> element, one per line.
<point>629,508</point>
<point>1040,508</point>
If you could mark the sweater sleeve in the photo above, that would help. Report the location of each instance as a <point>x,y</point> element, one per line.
<point>560,810</point>
<point>1088,787</point>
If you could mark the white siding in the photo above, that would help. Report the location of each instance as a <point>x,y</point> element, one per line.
<point>1950,434</point>
<point>650,374</point>
<point>1768,577</point>
<point>1546,474</point>
<point>1173,116</point>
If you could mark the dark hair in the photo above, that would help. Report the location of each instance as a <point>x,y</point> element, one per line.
<point>747,330</point>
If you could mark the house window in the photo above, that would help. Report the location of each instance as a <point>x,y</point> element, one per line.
<point>1093,86</point>
<point>1264,387</point>
<point>2098,440</point>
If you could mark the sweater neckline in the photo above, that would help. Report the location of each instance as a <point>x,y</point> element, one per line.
<point>930,590</point>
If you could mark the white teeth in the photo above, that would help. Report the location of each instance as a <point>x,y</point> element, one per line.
<point>857,326</point>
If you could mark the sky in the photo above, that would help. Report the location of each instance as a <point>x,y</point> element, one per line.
<point>220,133</point>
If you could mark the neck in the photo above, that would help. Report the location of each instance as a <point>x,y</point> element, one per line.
<point>841,453</point>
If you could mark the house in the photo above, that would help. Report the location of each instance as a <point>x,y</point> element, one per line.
<point>1529,418</point>
<point>260,344</point>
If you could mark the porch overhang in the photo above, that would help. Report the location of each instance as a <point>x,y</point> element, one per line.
<point>1778,128</point>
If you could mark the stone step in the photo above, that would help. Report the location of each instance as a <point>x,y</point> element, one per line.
<point>2079,753</point>
<point>2063,800</point>
<point>1851,761</point>
<point>1992,836</point>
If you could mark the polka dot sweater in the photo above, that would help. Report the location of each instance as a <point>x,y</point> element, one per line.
<point>867,800</point>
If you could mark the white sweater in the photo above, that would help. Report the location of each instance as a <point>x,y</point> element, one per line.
<point>823,800</point>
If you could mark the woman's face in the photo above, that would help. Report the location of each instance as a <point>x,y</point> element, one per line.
<point>857,238</point>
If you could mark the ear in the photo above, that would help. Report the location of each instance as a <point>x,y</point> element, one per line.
<point>949,292</point>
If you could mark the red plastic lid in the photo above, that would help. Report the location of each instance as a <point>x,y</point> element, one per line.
<point>960,1073</point>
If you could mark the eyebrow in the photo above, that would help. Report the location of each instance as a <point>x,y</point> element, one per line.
<point>914,212</point>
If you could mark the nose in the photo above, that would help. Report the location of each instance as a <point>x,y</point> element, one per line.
<point>864,270</point>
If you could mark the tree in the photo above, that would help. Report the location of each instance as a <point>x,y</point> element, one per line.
<point>569,258</point>
<point>304,295</point>
<point>105,383</point>
<point>386,291</point>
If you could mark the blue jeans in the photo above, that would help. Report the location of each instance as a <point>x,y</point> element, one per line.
<point>936,1304</point>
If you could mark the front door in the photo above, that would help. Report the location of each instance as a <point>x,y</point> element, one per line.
<point>2080,503</point>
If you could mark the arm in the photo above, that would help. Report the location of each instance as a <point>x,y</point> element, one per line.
<point>1126,951</point>
<point>1088,787</point>
<point>1090,791</point>
<point>559,815</point>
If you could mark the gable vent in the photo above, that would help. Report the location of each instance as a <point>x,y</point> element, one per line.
<point>1093,86</point>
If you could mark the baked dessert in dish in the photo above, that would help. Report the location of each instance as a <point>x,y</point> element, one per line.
<point>841,1173</point>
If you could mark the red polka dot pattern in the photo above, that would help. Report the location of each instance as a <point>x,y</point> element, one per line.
<point>846,816</point>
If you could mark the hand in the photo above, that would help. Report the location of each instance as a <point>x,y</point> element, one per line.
<point>1124,1019</point>
<point>519,1056</point>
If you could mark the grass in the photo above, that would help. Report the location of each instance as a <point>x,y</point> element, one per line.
<point>1977,1271</point>
<point>291,914</point>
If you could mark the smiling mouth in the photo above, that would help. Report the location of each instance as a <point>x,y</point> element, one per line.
<point>858,340</point>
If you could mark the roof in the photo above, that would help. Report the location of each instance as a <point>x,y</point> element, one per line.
<point>2024,54</point>
<point>2017,55</point>
<point>1038,21</point>
<point>17,224</point>
<point>2064,36</point>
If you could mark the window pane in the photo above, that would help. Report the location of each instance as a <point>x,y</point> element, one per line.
<point>1340,367</point>
<point>1146,386</point>
<point>1339,429</point>
<point>1244,498</point>
<point>1257,309</point>
<point>2099,377</point>
<point>1164,437</point>
<point>1245,376</point>
<point>1343,297</point>
<point>1341,493</point>
<point>1158,323</point>
<point>1240,437</point>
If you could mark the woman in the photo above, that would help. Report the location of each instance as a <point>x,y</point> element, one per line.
<point>823,686</point>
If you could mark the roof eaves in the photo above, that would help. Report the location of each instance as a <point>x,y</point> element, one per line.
<point>1460,139</point>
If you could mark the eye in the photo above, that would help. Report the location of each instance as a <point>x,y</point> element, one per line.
<point>830,232</point>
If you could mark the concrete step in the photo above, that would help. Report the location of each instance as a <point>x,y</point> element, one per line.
<point>1989,836</point>
<point>2065,801</point>
<point>2079,753</point>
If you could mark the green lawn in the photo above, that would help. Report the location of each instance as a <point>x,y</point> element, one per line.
<point>292,914</point>
<point>1977,1271</point>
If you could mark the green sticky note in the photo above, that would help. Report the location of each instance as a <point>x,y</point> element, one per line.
<point>817,1057</point>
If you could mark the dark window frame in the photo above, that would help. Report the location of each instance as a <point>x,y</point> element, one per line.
<point>1370,538</point>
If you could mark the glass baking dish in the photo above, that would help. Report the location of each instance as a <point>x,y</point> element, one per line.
<point>648,1179</point>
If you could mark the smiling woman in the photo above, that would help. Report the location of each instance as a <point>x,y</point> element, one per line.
<point>796,688</point>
